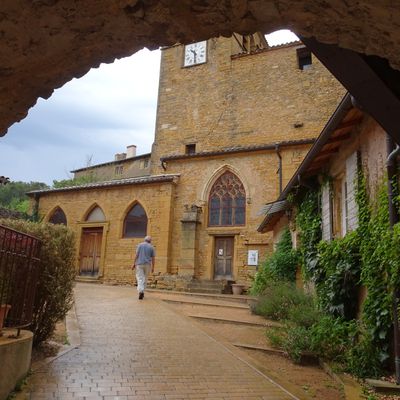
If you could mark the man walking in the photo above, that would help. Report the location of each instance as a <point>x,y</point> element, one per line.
<point>144,262</point>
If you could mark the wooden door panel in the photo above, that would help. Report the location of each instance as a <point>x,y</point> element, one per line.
<point>90,251</point>
<point>223,258</point>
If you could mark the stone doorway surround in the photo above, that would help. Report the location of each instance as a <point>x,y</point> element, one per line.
<point>92,225</point>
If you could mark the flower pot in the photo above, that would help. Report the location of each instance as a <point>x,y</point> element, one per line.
<point>237,288</point>
<point>4,309</point>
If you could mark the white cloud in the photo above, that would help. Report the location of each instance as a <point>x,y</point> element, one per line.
<point>99,114</point>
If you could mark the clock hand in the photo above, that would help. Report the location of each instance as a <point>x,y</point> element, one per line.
<point>194,55</point>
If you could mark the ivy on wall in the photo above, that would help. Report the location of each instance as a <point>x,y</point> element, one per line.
<point>368,256</point>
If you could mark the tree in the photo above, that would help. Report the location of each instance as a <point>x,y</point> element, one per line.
<point>13,195</point>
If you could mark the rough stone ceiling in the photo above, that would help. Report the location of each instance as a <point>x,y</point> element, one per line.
<point>46,43</point>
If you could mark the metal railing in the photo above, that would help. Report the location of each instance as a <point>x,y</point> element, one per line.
<point>19,271</point>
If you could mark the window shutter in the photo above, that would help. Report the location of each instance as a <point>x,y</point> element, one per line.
<point>326,212</point>
<point>351,180</point>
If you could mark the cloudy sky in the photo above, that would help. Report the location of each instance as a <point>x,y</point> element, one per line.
<point>93,117</point>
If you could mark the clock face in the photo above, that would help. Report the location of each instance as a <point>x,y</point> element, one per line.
<point>195,53</point>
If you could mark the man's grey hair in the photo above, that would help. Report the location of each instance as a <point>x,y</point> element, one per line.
<point>147,239</point>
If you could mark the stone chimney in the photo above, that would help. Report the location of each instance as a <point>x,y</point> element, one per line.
<point>120,156</point>
<point>130,151</point>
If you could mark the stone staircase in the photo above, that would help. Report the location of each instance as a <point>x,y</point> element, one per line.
<point>206,286</point>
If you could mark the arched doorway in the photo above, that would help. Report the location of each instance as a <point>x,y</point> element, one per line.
<point>91,244</point>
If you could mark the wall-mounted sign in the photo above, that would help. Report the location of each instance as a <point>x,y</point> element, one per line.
<point>252,257</point>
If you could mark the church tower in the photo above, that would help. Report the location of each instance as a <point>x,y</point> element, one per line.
<point>239,91</point>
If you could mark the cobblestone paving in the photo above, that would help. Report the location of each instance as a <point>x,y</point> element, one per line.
<point>135,349</point>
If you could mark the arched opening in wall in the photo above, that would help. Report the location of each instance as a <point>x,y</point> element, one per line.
<point>227,201</point>
<point>58,217</point>
<point>135,222</point>
<point>226,208</point>
<point>91,250</point>
<point>96,215</point>
<point>106,104</point>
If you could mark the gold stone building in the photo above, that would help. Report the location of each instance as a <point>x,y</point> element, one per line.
<point>235,118</point>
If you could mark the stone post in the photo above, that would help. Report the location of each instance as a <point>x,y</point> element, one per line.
<point>189,222</point>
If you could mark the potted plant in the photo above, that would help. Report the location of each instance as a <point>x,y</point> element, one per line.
<point>237,288</point>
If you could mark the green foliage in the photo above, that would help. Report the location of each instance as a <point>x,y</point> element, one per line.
<point>278,298</point>
<point>337,275</point>
<point>369,256</point>
<point>308,221</point>
<point>90,178</point>
<point>364,359</point>
<point>54,294</point>
<point>381,268</point>
<point>304,314</point>
<point>279,266</point>
<point>297,341</point>
<point>333,337</point>
<point>13,195</point>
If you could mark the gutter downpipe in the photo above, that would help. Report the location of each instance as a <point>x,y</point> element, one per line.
<point>392,152</point>
<point>280,166</point>
<point>35,210</point>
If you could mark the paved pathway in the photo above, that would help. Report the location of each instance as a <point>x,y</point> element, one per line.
<point>135,349</point>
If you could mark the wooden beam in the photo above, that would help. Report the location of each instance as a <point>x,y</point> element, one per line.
<point>370,80</point>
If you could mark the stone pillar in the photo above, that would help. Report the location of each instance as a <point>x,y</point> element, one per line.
<point>189,222</point>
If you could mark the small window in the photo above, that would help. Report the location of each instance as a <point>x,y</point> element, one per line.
<point>96,215</point>
<point>144,163</point>
<point>135,224</point>
<point>119,169</point>
<point>304,58</point>
<point>58,217</point>
<point>190,148</point>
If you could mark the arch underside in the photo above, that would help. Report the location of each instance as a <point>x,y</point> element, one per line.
<point>62,40</point>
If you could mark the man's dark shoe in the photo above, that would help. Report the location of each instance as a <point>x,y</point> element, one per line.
<point>141,295</point>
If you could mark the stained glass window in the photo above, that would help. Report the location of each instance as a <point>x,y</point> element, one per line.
<point>227,201</point>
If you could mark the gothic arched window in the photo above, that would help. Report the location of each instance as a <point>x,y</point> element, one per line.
<point>58,217</point>
<point>96,215</point>
<point>135,223</point>
<point>227,201</point>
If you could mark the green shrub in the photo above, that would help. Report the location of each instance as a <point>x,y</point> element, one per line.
<point>280,265</point>
<point>54,292</point>
<point>304,314</point>
<point>276,337</point>
<point>297,341</point>
<point>332,337</point>
<point>278,298</point>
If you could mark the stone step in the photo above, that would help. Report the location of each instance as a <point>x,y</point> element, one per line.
<point>207,303</point>
<point>220,297</point>
<point>234,321</point>
<point>205,290</point>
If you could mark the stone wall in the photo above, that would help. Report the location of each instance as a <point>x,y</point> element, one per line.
<point>115,202</point>
<point>258,172</point>
<point>130,168</point>
<point>248,100</point>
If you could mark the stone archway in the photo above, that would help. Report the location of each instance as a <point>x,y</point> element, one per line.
<point>46,43</point>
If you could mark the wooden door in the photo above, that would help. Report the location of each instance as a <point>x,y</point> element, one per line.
<point>223,259</point>
<point>89,262</point>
